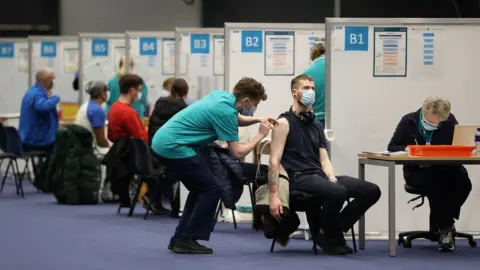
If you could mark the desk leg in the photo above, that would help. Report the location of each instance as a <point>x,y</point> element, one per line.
<point>392,245</point>
<point>361,222</point>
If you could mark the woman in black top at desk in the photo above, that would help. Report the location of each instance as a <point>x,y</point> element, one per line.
<point>446,187</point>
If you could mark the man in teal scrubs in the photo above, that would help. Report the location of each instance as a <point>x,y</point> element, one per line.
<point>216,116</point>
<point>317,72</point>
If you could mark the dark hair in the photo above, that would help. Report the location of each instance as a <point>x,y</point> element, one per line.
<point>167,84</point>
<point>128,82</point>
<point>179,88</point>
<point>251,88</point>
<point>296,81</point>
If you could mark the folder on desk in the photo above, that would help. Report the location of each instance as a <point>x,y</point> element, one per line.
<point>385,153</point>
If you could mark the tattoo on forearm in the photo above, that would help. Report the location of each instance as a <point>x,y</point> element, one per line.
<point>273,180</point>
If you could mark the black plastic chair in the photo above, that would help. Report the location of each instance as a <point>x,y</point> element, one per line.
<point>406,238</point>
<point>143,167</point>
<point>302,202</point>
<point>14,147</point>
<point>4,155</point>
<point>251,187</point>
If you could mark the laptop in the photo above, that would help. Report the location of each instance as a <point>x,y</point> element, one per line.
<point>465,135</point>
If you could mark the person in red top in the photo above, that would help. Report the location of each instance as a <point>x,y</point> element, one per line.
<point>123,121</point>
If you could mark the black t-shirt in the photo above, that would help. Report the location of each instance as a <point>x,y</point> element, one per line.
<point>302,147</point>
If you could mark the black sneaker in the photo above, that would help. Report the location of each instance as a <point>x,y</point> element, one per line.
<point>447,240</point>
<point>189,246</point>
<point>172,243</point>
<point>330,246</point>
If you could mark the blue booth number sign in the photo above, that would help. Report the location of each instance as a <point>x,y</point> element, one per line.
<point>6,50</point>
<point>48,49</point>
<point>148,46</point>
<point>200,43</point>
<point>252,41</point>
<point>356,38</point>
<point>100,47</point>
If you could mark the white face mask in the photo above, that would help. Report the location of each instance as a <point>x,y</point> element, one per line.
<point>139,95</point>
<point>108,96</point>
<point>308,97</point>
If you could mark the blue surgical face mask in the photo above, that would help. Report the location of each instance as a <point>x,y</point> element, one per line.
<point>249,112</point>
<point>429,126</point>
<point>308,97</point>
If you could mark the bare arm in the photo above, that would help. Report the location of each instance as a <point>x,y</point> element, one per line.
<point>240,150</point>
<point>279,137</point>
<point>244,121</point>
<point>100,137</point>
<point>326,164</point>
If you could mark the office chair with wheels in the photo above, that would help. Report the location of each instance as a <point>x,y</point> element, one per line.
<point>405,238</point>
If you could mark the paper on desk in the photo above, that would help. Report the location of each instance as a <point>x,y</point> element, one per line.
<point>387,153</point>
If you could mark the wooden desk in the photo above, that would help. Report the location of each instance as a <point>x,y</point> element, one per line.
<point>390,162</point>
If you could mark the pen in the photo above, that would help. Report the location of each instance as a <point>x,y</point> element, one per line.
<point>415,141</point>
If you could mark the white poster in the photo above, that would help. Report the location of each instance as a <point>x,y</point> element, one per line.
<point>70,60</point>
<point>22,60</point>
<point>426,58</point>
<point>168,55</point>
<point>279,53</point>
<point>390,52</point>
<point>218,54</point>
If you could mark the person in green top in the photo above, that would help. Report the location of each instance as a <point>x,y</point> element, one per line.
<point>317,72</point>
<point>140,105</point>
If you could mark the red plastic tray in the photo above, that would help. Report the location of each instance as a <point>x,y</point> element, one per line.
<point>440,150</point>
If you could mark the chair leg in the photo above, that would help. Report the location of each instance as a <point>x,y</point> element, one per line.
<point>133,204</point>
<point>119,208</point>
<point>354,240</point>
<point>217,213</point>
<point>273,245</point>
<point>145,217</point>
<point>7,171</point>
<point>19,178</point>
<point>252,201</point>
<point>315,249</point>
<point>234,220</point>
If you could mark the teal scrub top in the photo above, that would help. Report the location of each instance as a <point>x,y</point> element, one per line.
<point>139,105</point>
<point>317,72</point>
<point>214,117</point>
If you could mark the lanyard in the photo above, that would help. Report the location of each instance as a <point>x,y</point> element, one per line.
<point>427,135</point>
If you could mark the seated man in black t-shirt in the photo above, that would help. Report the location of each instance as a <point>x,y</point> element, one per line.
<point>299,145</point>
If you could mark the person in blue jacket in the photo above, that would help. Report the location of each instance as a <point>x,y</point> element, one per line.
<point>113,85</point>
<point>39,119</point>
<point>317,72</point>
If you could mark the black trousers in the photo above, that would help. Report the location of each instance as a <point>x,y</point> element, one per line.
<point>198,215</point>
<point>40,167</point>
<point>447,188</point>
<point>332,219</point>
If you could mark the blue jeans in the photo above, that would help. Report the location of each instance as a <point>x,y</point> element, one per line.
<point>198,215</point>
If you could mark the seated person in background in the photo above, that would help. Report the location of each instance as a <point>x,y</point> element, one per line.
<point>446,187</point>
<point>39,120</point>
<point>123,120</point>
<point>91,114</point>
<point>167,84</point>
<point>299,145</point>
<point>166,107</point>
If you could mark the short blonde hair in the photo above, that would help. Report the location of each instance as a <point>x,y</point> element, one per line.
<point>438,106</point>
<point>318,50</point>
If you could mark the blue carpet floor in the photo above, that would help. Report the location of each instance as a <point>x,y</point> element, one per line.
<point>36,233</point>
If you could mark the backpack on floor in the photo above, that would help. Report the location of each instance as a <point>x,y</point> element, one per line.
<point>75,174</point>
